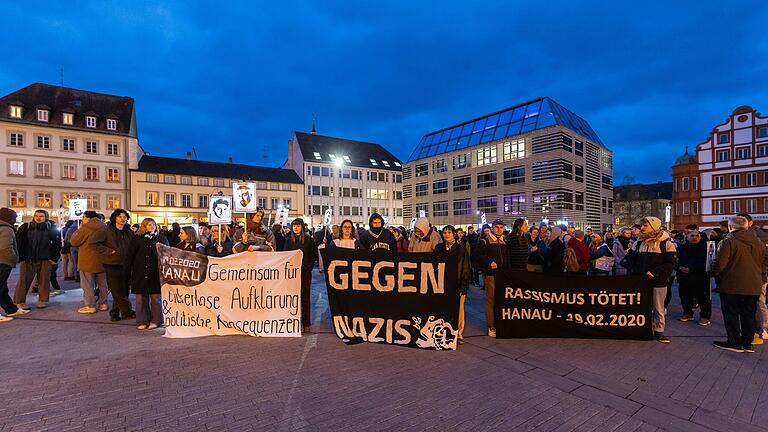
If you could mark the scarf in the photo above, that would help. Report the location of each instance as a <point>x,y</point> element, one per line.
<point>652,238</point>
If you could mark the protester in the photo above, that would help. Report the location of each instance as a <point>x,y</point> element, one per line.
<point>459,253</point>
<point>74,251</point>
<point>517,245</point>
<point>609,239</point>
<point>189,241</point>
<point>473,238</point>
<point>39,246</point>
<point>347,237</point>
<point>298,240</point>
<point>142,274</point>
<point>693,282</point>
<point>9,256</point>
<point>554,256</point>
<point>600,256</point>
<point>277,230</point>
<point>376,237</point>
<point>174,235</point>
<point>492,256</point>
<point>90,239</point>
<point>112,252</point>
<point>424,238</point>
<point>636,228</point>
<point>655,256</point>
<point>621,245</point>
<point>761,317</point>
<point>204,234</point>
<point>579,251</point>
<point>256,236</point>
<point>216,248</point>
<point>67,261</point>
<point>536,251</point>
<point>400,240</point>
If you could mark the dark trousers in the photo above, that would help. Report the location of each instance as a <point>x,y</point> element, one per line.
<point>5,300</point>
<point>306,284</point>
<point>668,298</point>
<point>475,276</point>
<point>54,281</point>
<point>148,309</point>
<point>116,283</point>
<point>739,317</point>
<point>692,289</point>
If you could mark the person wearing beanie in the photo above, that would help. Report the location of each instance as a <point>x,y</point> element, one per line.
<point>39,246</point>
<point>9,256</point>
<point>376,237</point>
<point>655,256</point>
<point>424,238</point>
<point>740,271</point>
<point>492,256</point>
<point>299,240</point>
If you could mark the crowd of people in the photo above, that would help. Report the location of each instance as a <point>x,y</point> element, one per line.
<point>109,256</point>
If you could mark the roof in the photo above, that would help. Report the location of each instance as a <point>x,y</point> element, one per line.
<point>319,148</point>
<point>166,165</point>
<point>79,102</point>
<point>685,159</point>
<point>517,120</point>
<point>658,190</point>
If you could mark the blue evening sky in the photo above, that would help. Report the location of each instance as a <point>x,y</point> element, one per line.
<point>237,79</point>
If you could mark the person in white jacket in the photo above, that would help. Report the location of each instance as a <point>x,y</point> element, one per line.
<point>425,238</point>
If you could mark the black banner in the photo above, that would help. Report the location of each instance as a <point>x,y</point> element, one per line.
<point>409,299</point>
<point>537,305</point>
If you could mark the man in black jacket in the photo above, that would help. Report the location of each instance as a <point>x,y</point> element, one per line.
<point>692,278</point>
<point>376,237</point>
<point>473,238</point>
<point>39,247</point>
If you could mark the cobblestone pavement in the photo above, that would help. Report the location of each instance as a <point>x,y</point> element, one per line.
<point>62,371</point>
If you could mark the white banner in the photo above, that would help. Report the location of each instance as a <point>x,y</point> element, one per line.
<point>219,210</point>
<point>245,197</point>
<point>251,293</point>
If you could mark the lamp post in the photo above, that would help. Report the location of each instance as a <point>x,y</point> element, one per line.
<point>339,162</point>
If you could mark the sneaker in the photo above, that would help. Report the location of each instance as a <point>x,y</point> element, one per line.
<point>4,318</point>
<point>748,348</point>
<point>492,332</point>
<point>728,346</point>
<point>141,327</point>
<point>661,338</point>
<point>114,318</point>
<point>103,307</point>
<point>152,326</point>
<point>461,341</point>
<point>757,340</point>
<point>42,305</point>
<point>704,322</point>
<point>131,315</point>
<point>87,310</point>
<point>22,306</point>
<point>764,334</point>
<point>685,318</point>
<point>19,312</point>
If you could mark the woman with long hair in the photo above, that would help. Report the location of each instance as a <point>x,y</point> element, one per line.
<point>517,245</point>
<point>189,241</point>
<point>536,251</point>
<point>298,239</point>
<point>347,237</point>
<point>143,274</point>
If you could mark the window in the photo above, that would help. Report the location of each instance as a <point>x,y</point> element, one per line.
<point>16,111</point>
<point>261,185</point>
<point>68,172</point>
<point>735,180</point>
<point>91,173</point>
<point>16,167</point>
<point>379,194</point>
<point>723,138</point>
<point>153,198</point>
<point>422,170</point>
<point>686,208</point>
<point>262,202</point>
<point>514,175</point>
<point>486,179</point>
<point>90,121</point>
<point>218,182</point>
<point>762,132</point>
<point>462,183</point>
<point>169,179</point>
<point>578,172</point>
<point>275,202</point>
<point>42,115</point>
<point>326,191</point>
<point>751,205</point>
<point>398,195</point>
<point>68,144</point>
<point>686,183</point>
<point>186,180</point>
<point>514,204</point>
<point>113,202</point>
<point>285,186</point>
<point>170,199</point>
<point>93,201</point>
<point>16,139</point>
<point>44,199</point>
<point>723,155</point>
<point>152,178</point>
<point>43,142</point>
<point>695,207</point>
<point>440,208</point>
<point>91,147</point>
<point>112,149</point>
<point>397,178</point>
<point>579,201</point>
<point>461,161</point>
<point>68,119</point>
<point>17,199</point>
<point>762,151</point>
<point>422,189</point>
<point>43,169</point>
<point>274,186</point>
<point>735,206</point>
<point>743,153</point>
<point>486,156</point>
<point>287,203</point>
<point>202,201</point>
<point>113,175</point>
<point>186,200</point>
<point>440,187</point>
<point>695,183</point>
<point>313,190</point>
<point>111,124</point>
<point>462,207</point>
<point>488,205</point>
<point>717,182</point>
<point>514,150</point>
<point>202,181</point>
<point>579,149</point>
<point>718,206</point>
<point>439,166</point>
<point>752,179</point>
<point>65,197</point>
<point>373,162</point>
<point>421,209</point>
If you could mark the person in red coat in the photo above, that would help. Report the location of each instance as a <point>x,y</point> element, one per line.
<point>582,251</point>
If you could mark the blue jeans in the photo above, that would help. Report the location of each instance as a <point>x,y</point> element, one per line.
<point>89,282</point>
<point>5,300</point>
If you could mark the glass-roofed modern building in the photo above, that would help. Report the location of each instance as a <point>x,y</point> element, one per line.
<point>536,160</point>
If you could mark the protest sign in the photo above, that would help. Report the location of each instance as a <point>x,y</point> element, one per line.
<point>219,210</point>
<point>407,299</point>
<point>244,197</point>
<point>538,305</point>
<point>77,208</point>
<point>255,294</point>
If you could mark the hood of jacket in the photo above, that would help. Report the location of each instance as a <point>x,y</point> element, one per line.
<point>422,224</point>
<point>747,238</point>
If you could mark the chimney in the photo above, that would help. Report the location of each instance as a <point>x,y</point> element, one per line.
<point>229,160</point>
<point>189,155</point>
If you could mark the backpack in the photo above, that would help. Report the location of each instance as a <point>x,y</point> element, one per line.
<point>571,261</point>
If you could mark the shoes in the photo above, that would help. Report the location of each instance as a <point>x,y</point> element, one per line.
<point>461,341</point>
<point>492,332</point>
<point>57,292</point>
<point>22,306</point>
<point>103,307</point>
<point>757,340</point>
<point>87,310</point>
<point>4,318</point>
<point>131,315</point>
<point>305,329</point>
<point>704,322</point>
<point>661,338</point>
<point>729,346</point>
<point>685,318</point>
<point>114,318</point>
<point>141,327</point>
<point>748,348</point>
<point>42,305</point>
<point>19,312</point>
<point>152,326</point>
<point>764,334</point>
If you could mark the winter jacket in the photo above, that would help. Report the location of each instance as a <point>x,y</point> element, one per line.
<point>461,255</point>
<point>38,242</point>
<point>659,258</point>
<point>517,251</point>
<point>619,252</point>
<point>305,244</point>
<point>90,239</point>
<point>582,253</point>
<point>740,265</point>
<point>402,244</point>
<point>694,257</point>
<point>473,239</point>
<point>112,250</point>
<point>9,252</point>
<point>492,249</point>
<point>141,271</point>
<point>537,258</point>
<point>385,240</point>
<point>191,247</point>
<point>602,251</point>
<point>554,257</point>
<point>428,243</point>
<point>260,236</point>
<point>211,249</point>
